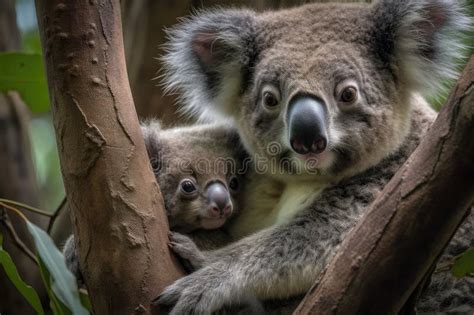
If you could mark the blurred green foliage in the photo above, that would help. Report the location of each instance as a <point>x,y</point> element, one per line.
<point>46,159</point>
<point>43,141</point>
<point>24,73</point>
<point>31,41</point>
<point>61,285</point>
<point>27,291</point>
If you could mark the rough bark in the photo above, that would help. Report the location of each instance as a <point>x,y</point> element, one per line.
<point>18,180</point>
<point>391,249</point>
<point>116,205</point>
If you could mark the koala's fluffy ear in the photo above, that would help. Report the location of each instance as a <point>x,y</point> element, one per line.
<point>151,134</point>
<point>208,59</point>
<point>420,39</point>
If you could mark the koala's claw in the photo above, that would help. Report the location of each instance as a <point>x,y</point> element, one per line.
<point>183,246</point>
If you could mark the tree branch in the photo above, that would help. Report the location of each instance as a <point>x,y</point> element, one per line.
<point>386,256</point>
<point>5,221</point>
<point>116,205</point>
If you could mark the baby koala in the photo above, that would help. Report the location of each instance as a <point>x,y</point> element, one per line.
<point>200,171</point>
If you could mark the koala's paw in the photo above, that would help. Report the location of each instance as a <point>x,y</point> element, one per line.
<point>203,292</point>
<point>184,246</point>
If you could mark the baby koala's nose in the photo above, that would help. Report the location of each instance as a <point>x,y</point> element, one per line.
<point>218,199</point>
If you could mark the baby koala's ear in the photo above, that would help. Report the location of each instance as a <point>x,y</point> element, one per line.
<point>207,58</point>
<point>151,134</point>
<point>420,39</point>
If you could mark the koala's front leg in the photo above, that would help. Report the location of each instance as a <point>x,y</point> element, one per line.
<point>195,247</point>
<point>185,247</point>
<point>275,263</point>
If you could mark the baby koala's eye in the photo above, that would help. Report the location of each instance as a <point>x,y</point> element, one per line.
<point>270,97</point>
<point>234,183</point>
<point>187,186</point>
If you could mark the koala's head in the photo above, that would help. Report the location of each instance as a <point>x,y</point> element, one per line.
<point>322,90</point>
<point>200,173</point>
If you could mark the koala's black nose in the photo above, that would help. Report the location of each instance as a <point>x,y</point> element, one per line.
<point>218,200</point>
<point>307,124</point>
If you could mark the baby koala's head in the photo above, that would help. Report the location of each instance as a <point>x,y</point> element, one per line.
<point>199,170</point>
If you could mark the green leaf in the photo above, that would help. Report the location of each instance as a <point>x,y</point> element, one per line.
<point>56,306</point>
<point>63,283</point>
<point>12,273</point>
<point>31,41</point>
<point>464,265</point>
<point>85,300</point>
<point>24,73</point>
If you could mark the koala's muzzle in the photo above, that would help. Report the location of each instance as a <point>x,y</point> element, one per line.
<point>307,124</point>
<point>218,200</point>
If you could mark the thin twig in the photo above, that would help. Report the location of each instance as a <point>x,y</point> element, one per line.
<point>56,214</point>
<point>15,210</point>
<point>26,207</point>
<point>448,264</point>
<point>5,220</point>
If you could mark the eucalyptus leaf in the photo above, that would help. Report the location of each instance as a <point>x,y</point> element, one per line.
<point>56,306</point>
<point>464,265</point>
<point>25,290</point>
<point>24,73</point>
<point>63,283</point>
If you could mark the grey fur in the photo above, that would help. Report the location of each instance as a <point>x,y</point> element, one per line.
<point>390,51</point>
<point>204,153</point>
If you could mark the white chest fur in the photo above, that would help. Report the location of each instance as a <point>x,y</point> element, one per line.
<point>269,202</point>
<point>295,197</point>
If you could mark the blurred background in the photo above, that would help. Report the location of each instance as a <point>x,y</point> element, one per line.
<point>29,164</point>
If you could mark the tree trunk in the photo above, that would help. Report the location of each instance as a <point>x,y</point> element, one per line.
<point>117,209</point>
<point>10,38</point>
<point>18,177</point>
<point>391,249</point>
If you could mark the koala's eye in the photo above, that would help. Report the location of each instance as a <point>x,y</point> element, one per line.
<point>348,94</point>
<point>155,165</point>
<point>270,97</point>
<point>234,183</point>
<point>187,186</point>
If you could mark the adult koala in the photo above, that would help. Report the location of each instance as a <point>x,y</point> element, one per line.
<point>332,84</point>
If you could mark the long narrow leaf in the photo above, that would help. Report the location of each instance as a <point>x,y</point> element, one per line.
<point>56,306</point>
<point>63,283</point>
<point>25,290</point>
